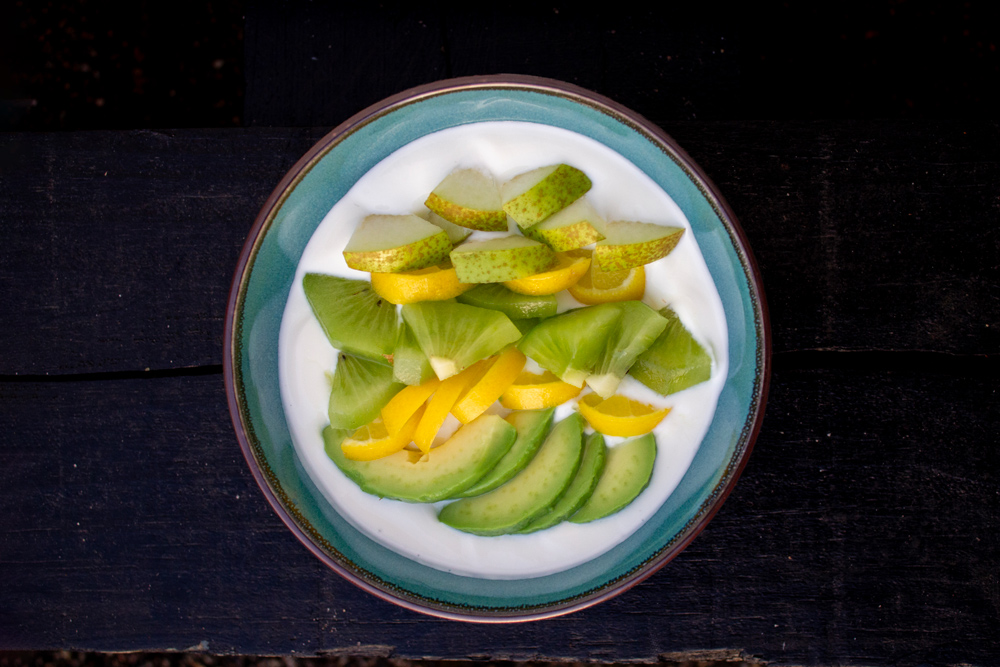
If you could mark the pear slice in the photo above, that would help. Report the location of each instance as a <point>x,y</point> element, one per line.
<point>575,226</point>
<point>456,234</point>
<point>631,244</point>
<point>497,260</point>
<point>533,196</point>
<point>469,198</point>
<point>392,243</point>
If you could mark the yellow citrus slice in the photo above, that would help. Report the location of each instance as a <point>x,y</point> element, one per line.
<point>443,400</point>
<point>619,415</point>
<point>605,286</point>
<point>537,392</point>
<point>569,268</point>
<point>373,441</point>
<point>494,382</point>
<point>401,407</point>
<point>434,283</point>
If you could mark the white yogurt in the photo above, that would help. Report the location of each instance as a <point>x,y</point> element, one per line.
<point>399,184</point>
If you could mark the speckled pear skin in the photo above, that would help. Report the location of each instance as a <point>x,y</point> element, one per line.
<point>418,255</point>
<point>470,218</point>
<point>552,194</point>
<point>495,265</point>
<point>612,254</point>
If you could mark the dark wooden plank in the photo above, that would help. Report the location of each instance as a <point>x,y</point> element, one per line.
<point>866,241</point>
<point>863,531</point>
<point>119,248</point>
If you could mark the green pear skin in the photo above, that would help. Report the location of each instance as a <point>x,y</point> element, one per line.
<point>553,193</point>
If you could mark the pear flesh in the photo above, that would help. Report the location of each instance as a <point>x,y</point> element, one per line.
<point>393,243</point>
<point>577,225</point>
<point>469,198</point>
<point>456,234</point>
<point>631,244</point>
<point>533,196</point>
<point>497,260</point>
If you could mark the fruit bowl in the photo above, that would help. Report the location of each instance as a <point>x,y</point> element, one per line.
<point>267,272</point>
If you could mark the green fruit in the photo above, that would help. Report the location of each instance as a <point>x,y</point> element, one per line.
<point>531,492</point>
<point>579,490</point>
<point>409,363</point>
<point>469,198</point>
<point>573,227</point>
<point>636,330</point>
<point>360,388</point>
<point>497,260</point>
<point>455,233</point>
<point>513,305</point>
<point>354,318</point>
<point>454,336</point>
<point>531,197</point>
<point>674,361</point>
<point>446,470</point>
<point>532,427</point>
<point>626,473</point>
<point>571,343</point>
<point>393,243</point>
<point>631,244</point>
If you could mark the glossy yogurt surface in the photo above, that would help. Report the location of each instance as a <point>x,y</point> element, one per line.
<point>400,184</point>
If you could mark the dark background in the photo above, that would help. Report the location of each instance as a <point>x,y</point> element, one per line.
<point>95,65</point>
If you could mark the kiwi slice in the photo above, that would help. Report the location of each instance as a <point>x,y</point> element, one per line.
<point>637,329</point>
<point>354,318</point>
<point>409,363</point>
<point>579,490</point>
<point>360,388</point>
<point>513,305</point>
<point>455,335</point>
<point>570,344</point>
<point>674,361</point>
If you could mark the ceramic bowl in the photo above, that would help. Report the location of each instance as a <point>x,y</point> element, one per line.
<point>264,277</point>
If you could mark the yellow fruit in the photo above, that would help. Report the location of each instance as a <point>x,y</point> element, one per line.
<point>606,286</point>
<point>494,382</point>
<point>434,283</point>
<point>373,441</point>
<point>442,402</point>
<point>569,268</point>
<point>619,415</point>
<point>537,392</point>
<point>401,407</point>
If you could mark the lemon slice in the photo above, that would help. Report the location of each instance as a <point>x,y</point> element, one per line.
<point>434,283</point>
<point>401,407</point>
<point>494,382</point>
<point>605,286</point>
<point>537,392</point>
<point>569,268</point>
<point>619,415</point>
<point>443,400</point>
<point>373,441</point>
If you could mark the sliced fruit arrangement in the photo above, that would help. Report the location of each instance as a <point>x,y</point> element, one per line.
<point>471,315</point>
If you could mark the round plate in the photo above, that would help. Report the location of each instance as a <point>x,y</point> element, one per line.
<point>264,277</point>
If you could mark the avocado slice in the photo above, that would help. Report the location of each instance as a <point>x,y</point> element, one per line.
<point>532,426</point>
<point>530,493</point>
<point>446,470</point>
<point>626,473</point>
<point>579,490</point>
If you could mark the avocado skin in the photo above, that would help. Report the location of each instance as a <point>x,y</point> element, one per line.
<point>449,469</point>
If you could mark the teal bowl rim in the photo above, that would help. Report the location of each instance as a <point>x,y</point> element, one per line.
<point>265,476</point>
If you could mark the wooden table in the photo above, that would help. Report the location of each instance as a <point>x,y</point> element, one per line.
<point>864,529</point>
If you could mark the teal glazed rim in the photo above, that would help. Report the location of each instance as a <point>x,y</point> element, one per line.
<point>264,277</point>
